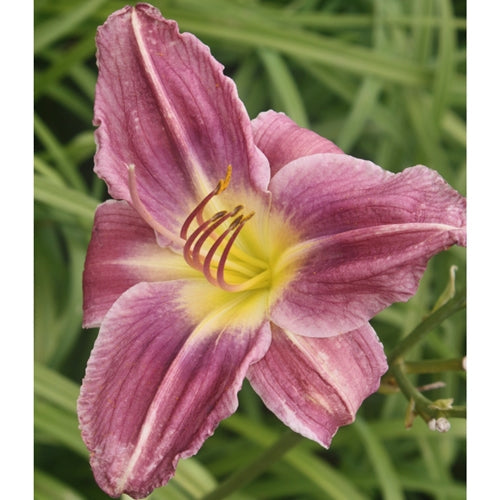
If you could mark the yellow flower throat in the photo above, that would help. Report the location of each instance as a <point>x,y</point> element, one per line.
<point>210,248</point>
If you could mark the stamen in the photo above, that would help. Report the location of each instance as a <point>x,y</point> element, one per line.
<point>195,253</point>
<point>251,271</point>
<point>188,254</point>
<point>198,211</point>
<point>224,183</point>
<point>236,224</point>
<point>222,262</point>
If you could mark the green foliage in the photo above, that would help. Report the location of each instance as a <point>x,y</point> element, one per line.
<point>383,79</point>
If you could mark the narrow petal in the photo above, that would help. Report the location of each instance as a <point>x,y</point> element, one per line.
<point>367,236</point>
<point>314,385</point>
<point>283,141</point>
<point>156,387</point>
<point>122,252</point>
<point>164,105</point>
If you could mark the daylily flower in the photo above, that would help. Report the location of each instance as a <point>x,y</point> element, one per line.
<point>232,249</point>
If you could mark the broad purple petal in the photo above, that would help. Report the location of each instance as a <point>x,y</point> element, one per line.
<point>283,141</point>
<point>164,105</point>
<point>157,385</point>
<point>314,385</point>
<point>346,279</point>
<point>367,235</point>
<point>122,252</point>
<point>328,194</point>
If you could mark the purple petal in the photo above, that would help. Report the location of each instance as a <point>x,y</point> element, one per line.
<point>157,385</point>
<point>367,236</point>
<point>317,385</point>
<point>164,105</point>
<point>283,141</point>
<point>122,252</point>
<point>328,194</point>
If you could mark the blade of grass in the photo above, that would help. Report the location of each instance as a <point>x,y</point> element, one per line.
<point>65,165</point>
<point>55,388</point>
<point>85,79</point>
<point>381,462</point>
<point>333,484</point>
<point>419,110</point>
<point>70,100</point>
<point>62,62</point>
<point>360,112</point>
<point>256,467</point>
<point>311,47</point>
<point>58,425</point>
<point>422,33</point>
<point>53,29</point>
<point>445,63</point>
<point>282,80</point>
<point>47,487</point>
<point>69,200</point>
<point>436,470</point>
<point>455,128</point>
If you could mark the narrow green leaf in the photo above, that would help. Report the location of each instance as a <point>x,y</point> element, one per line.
<point>422,33</point>
<point>47,487</point>
<point>62,63</point>
<point>445,63</point>
<point>70,100</point>
<point>69,200</point>
<point>284,84</point>
<point>194,479</point>
<point>55,388</point>
<point>310,47</point>
<point>361,111</point>
<point>381,462</point>
<point>59,426</point>
<point>436,471</point>
<point>82,147</point>
<point>85,79</point>
<point>55,28</point>
<point>66,166</point>
<point>455,128</point>
<point>419,109</point>
<point>323,476</point>
<point>44,169</point>
<point>448,490</point>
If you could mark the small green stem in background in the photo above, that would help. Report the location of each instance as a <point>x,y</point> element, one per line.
<point>398,368</point>
<point>422,404</point>
<point>434,366</point>
<point>262,463</point>
<point>427,325</point>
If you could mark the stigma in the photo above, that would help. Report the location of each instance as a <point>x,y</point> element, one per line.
<point>211,245</point>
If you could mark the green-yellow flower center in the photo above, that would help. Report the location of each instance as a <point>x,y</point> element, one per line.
<point>247,257</point>
<point>212,247</point>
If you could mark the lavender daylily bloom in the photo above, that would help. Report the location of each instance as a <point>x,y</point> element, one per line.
<point>232,249</point>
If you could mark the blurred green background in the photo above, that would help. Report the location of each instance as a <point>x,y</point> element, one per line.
<point>385,80</point>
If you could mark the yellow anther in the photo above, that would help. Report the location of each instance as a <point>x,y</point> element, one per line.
<point>248,217</point>
<point>224,183</point>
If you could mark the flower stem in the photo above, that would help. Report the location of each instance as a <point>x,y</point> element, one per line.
<point>434,366</point>
<point>399,368</point>
<point>427,325</point>
<point>422,404</point>
<point>243,476</point>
